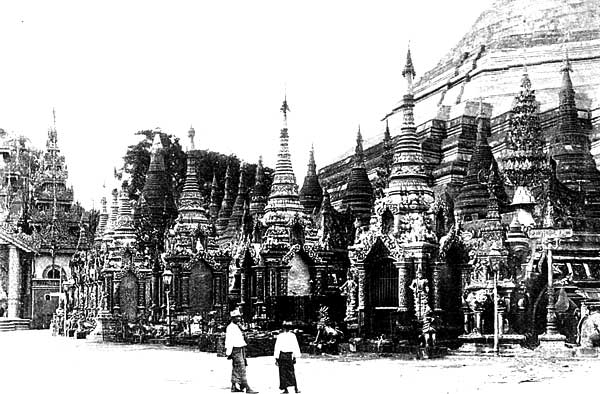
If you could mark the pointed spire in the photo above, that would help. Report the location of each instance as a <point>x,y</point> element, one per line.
<point>190,202</point>
<point>284,190</point>
<point>359,156</point>
<point>472,202</point>
<point>409,69</point>
<point>112,217</point>
<point>123,229</point>
<point>386,135</point>
<point>237,211</point>
<point>409,177</point>
<point>156,194</point>
<point>311,193</point>
<point>214,206</point>
<point>359,191</point>
<point>259,191</point>
<point>82,241</point>
<point>228,200</point>
<point>191,135</point>
<point>102,220</point>
<point>567,94</point>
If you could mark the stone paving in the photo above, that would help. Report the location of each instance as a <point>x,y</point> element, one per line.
<point>34,361</point>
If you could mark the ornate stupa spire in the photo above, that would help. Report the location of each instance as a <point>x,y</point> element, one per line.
<point>284,190</point>
<point>259,191</point>
<point>156,194</point>
<point>525,163</point>
<point>472,201</point>
<point>112,217</point>
<point>191,135</point>
<point>102,220</point>
<point>227,203</point>
<point>311,193</point>
<point>409,185</point>
<point>359,191</point>
<point>570,147</point>
<point>124,231</point>
<point>190,202</point>
<point>213,208</point>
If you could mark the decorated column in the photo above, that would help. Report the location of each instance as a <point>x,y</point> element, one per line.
<point>14,282</point>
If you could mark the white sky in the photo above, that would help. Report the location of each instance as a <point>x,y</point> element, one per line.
<point>111,68</point>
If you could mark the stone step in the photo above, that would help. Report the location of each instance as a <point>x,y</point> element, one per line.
<point>8,324</point>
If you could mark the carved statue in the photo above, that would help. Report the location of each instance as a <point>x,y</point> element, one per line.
<point>327,336</point>
<point>350,290</point>
<point>420,288</point>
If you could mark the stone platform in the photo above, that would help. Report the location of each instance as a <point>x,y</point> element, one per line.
<point>509,343</point>
<point>12,324</point>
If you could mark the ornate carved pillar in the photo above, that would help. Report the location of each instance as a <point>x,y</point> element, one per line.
<point>116,296</point>
<point>319,281</point>
<point>260,284</point>
<point>185,290</point>
<point>108,288</point>
<point>218,289</point>
<point>141,295</point>
<point>283,281</point>
<point>14,282</point>
<point>243,287</point>
<point>404,280</point>
<point>155,294</point>
<point>361,288</point>
<point>436,286</point>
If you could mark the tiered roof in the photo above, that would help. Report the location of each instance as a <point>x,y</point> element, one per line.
<point>359,192</point>
<point>409,181</point>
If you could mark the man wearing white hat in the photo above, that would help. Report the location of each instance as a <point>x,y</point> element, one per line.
<point>235,349</point>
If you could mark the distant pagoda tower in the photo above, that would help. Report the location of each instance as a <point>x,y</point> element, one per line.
<point>102,220</point>
<point>52,185</point>
<point>570,147</point>
<point>156,201</point>
<point>409,181</point>
<point>227,203</point>
<point>190,208</point>
<point>213,208</point>
<point>124,232</point>
<point>283,201</point>
<point>112,217</point>
<point>260,193</point>
<point>311,193</point>
<point>472,202</point>
<point>359,191</point>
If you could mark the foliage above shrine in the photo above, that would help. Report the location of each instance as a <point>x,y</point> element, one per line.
<point>137,161</point>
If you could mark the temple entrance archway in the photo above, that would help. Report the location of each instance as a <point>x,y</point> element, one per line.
<point>201,288</point>
<point>298,276</point>
<point>381,292</point>
<point>128,296</point>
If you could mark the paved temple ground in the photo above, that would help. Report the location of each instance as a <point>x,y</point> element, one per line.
<point>35,362</point>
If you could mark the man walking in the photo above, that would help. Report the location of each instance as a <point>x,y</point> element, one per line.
<point>235,349</point>
<point>286,352</point>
